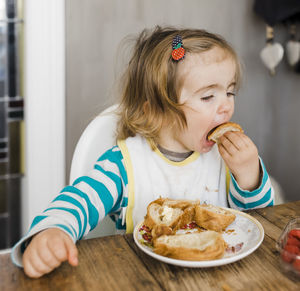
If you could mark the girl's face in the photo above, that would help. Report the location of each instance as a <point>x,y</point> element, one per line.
<point>207,96</point>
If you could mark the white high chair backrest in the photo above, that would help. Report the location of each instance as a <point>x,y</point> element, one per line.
<point>279,195</point>
<point>98,137</point>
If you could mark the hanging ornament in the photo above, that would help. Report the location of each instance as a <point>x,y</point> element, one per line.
<point>272,53</point>
<point>292,47</point>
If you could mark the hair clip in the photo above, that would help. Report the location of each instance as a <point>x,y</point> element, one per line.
<point>178,52</point>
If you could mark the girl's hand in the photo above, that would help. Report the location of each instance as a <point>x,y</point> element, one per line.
<point>47,250</point>
<point>241,156</point>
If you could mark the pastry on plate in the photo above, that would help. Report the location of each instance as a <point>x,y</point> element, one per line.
<point>213,217</point>
<point>165,216</point>
<point>206,245</point>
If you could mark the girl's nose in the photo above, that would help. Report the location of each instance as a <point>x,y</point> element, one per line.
<point>225,105</point>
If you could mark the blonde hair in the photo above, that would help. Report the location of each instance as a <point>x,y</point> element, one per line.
<point>151,85</point>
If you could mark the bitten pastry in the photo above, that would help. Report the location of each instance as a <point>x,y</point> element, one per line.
<point>212,217</point>
<point>218,131</point>
<point>165,216</point>
<point>206,245</point>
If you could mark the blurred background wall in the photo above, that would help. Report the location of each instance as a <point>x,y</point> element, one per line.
<point>267,107</point>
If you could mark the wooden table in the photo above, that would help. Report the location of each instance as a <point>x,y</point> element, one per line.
<point>115,263</point>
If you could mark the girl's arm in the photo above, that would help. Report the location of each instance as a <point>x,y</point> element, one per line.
<point>80,207</point>
<point>250,185</point>
<point>260,197</point>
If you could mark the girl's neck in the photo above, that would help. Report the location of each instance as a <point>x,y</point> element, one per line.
<point>168,141</point>
<point>174,156</point>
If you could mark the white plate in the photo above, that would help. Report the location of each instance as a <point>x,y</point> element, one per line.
<point>245,230</point>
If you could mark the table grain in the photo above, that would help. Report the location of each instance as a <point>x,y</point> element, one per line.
<point>116,263</point>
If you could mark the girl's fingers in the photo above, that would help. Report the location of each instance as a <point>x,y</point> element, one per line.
<point>29,270</point>
<point>38,265</point>
<point>237,139</point>
<point>72,252</point>
<point>228,145</point>
<point>47,257</point>
<point>247,140</point>
<point>223,152</point>
<point>58,249</point>
<point>47,251</point>
<point>64,249</point>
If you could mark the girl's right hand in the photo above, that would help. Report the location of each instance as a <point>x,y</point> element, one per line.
<point>47,250</point>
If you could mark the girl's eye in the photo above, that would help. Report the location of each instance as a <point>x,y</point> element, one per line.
<point>230,94</point>
<point>207,98</point>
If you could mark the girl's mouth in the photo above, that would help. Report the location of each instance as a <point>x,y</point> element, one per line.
<point>211,131</point>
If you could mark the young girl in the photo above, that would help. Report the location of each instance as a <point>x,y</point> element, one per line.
<point>179,84</point>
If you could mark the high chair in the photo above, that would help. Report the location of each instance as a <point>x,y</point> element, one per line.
<point>98,137</point>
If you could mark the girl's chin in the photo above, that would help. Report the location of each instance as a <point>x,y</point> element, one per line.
<point>209,143</point>
<point>207,146</point>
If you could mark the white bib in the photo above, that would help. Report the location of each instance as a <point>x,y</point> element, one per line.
<point>151,175</point>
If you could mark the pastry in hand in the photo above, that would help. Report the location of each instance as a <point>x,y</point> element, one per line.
<point>218,131</point>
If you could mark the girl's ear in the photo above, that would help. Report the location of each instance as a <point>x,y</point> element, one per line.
<point>146,106</point>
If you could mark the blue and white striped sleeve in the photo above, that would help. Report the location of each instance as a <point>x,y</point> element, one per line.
<point>80,207</point>
<point>261,197</point>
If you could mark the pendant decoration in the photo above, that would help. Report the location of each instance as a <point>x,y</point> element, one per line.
<point>292,47</point>
<point>272,54</point>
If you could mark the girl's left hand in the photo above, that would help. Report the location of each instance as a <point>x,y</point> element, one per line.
<point>241,156</point>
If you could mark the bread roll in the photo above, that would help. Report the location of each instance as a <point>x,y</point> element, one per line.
<point>206,245</point>
<point>218,131</point>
